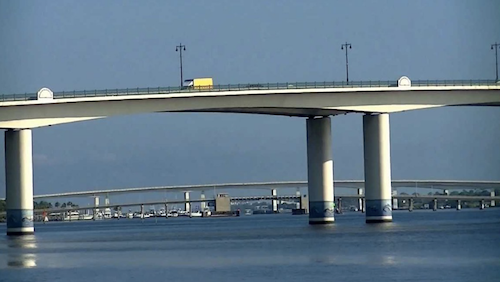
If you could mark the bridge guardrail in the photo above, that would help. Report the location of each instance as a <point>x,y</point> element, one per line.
<point>245,86</point>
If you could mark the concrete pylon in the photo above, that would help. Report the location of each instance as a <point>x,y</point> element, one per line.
<point>297,193</point>
<point>492,203</point>
<point>274,202</point>
<point>320,171</point>
<point>187,205</point>
<point>377,159</point>
<point>360,200</point>
<point>19,181</point>
<point>203,205</point>
<point>395,205</point>
<point>96,207</point>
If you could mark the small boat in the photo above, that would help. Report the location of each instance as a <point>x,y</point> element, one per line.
<point>73,215</point>
<point>196,214</point>
<point>86,217</point>
<point>173,213</point>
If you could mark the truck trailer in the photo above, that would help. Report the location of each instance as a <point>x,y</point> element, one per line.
<point>199,83</point>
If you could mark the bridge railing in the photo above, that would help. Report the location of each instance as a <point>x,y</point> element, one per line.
<point>245,87</point>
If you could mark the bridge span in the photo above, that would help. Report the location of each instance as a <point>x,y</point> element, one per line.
<point>19,114</point>
<point>353,184</point>
<point>338,199</point>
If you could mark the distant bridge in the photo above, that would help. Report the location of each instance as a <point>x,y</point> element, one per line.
<point>355,184</point>
<point>265,198</point>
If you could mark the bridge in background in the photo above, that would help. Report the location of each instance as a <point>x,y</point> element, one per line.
<point>276,198</point>
<point>353,184</point>
<point>19,114</point>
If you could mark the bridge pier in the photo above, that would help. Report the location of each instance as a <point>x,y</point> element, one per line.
<point>395,205</point>
<point>434,205</point>
<point>297,193</point>
<point>274,202</point>
<point>481,205</point>
<point>376,142</point>
<point>360,200</point>
<point>459,205</point>
<point>187,205</point>
<point>339,205</point>
<point>203,205</point>
<point>492,203</point>
<point>96,205</point>
<point>19,181</point>
<point>320,170</point>
<point>410,205</point>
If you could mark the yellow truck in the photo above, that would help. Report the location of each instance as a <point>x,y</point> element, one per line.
<point>199,83</point>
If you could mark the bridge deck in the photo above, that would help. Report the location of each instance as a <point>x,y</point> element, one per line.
<point>245,86</point>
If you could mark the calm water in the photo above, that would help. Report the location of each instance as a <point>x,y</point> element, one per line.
<point>418,246</point>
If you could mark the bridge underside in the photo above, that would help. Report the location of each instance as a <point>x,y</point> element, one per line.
<point>293,112</point>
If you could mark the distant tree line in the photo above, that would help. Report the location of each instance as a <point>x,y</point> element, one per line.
<point>42,205</point>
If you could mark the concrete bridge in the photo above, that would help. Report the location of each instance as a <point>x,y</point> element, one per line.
<point>274,199</point>
<point>19,114</point>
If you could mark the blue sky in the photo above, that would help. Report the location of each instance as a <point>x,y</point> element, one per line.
<point>117,44</point>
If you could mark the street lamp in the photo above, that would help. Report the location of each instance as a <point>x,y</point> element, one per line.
<point>496,46</point>
<point>346,46</point>
<point>179,48</point>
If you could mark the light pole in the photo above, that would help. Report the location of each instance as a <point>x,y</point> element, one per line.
<point>346,46</point>
<point>180,48</point>
<point>496,46</point>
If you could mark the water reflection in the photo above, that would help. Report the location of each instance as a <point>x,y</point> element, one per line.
<point>21,251</point>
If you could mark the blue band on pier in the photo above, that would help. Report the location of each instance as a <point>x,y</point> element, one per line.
<point>321,209</point>
<point>378,208</point>
<point>18,218</point>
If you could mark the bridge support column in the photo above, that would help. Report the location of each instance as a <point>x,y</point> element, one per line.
<point>274,202</point>
<point>394,200</point>
<point>434,205</point>
<point>410,205</point>
<point>187,205</point>
<point>459,205</point>
<point>360,200</point>
<point>166,210</point>
<point>492,203</point>
<point>203,205</point>
<point>297,193</point>
<point>19,182</point>
<point>376,141</point>
<point>142,211</point>
<point>320,171</point>
<point>96,205</point>
<point>481,205</point>
<point>339,205</point>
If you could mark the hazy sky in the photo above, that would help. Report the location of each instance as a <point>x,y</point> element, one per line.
<point>68,45</point>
